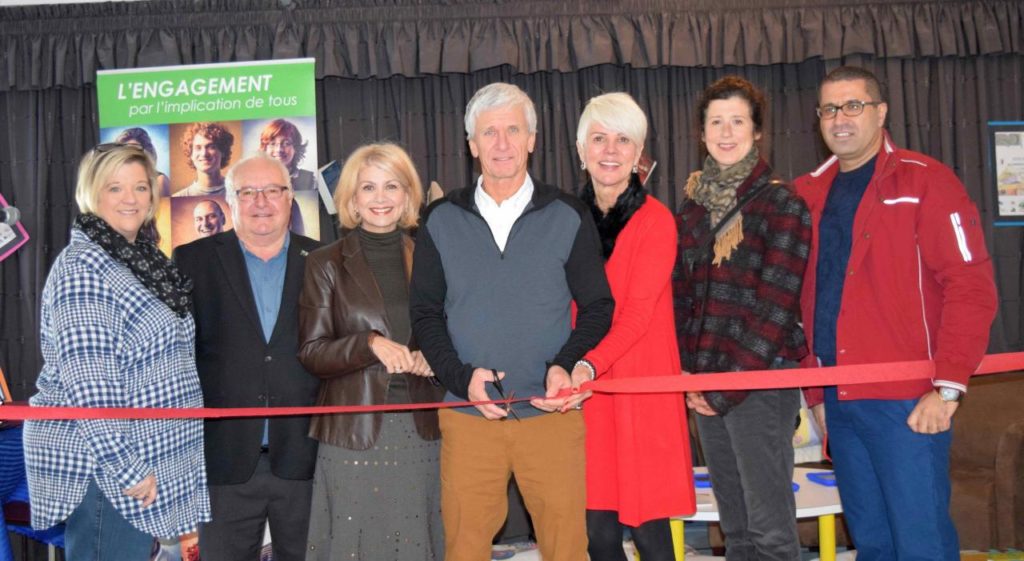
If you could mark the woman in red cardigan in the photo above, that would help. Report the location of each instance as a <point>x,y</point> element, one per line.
<point>638,454</point>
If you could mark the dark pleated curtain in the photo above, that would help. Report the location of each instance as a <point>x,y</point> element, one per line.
<point>403,70</point>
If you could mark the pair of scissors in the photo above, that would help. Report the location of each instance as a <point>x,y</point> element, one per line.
<point>501,393</point>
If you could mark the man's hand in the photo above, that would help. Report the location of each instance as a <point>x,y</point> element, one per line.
<point>818,411</point>
<point>477,392</point>
<point>696,401</point>
<point>557,381</point>
<point>394,356</point>
<point>931,415</point>
<point>144,490</point>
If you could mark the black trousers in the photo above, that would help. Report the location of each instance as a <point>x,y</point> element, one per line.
<point>653,539</point>
<point>240,513</point>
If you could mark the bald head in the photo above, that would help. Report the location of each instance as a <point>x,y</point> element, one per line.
<point>208,218</point>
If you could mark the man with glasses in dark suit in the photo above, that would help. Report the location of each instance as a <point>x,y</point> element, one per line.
<point>247,284</point>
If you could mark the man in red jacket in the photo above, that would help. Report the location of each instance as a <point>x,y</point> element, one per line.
<point>898,271</point>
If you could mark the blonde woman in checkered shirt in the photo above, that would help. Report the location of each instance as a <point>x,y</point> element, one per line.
<point>116,331</point>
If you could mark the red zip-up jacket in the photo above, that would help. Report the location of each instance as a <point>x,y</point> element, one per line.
<point>919,281</point>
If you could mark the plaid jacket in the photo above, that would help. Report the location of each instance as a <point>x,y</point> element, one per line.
<point>108,342</point>
<point>744,313</point>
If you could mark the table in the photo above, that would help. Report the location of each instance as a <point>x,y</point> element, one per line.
<point>812,501</point>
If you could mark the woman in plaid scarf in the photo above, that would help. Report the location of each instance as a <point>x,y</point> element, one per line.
<point>743,244</point>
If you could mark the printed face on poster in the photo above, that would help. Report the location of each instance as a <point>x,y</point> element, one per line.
<point>197,121</point>
<point>1006,168</point>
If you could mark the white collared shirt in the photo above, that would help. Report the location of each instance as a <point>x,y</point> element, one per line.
<point>501,217</point>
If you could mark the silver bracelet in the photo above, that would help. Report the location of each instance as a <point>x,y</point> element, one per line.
<point>588,365</point>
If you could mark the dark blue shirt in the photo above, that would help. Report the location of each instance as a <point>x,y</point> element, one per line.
<point>267,281</point>
<point>835,238</point>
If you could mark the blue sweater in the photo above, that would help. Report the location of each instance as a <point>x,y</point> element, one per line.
<point>836,239</point>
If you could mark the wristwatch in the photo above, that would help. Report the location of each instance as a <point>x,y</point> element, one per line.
<point>949,394</point>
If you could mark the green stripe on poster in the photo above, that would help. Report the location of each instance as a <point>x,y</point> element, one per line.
<point>213,92</point>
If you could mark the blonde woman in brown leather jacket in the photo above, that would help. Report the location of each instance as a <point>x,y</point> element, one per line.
<point>375,490</point>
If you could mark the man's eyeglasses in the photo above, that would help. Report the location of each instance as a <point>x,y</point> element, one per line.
<point>271,192</point>
<point>850,109</point>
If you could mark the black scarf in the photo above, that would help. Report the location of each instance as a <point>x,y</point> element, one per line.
<point>610,225</point>
<point>144,259</point>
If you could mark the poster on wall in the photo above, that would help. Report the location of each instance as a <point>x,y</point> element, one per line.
<point>196,121</point>
<point>1006,170</point>
<point>12,234</point>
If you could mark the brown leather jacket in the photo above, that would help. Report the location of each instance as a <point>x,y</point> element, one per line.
<point>340,305</point>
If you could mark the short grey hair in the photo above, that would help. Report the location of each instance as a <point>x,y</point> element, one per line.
<point>615,111</point>
<point>495,96</point>
<point>229,180</point>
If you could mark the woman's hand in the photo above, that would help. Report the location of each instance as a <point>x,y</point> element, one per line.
<point>394,356</point>
<point>580,375</point>
<point>144,490</point>
<point>696,401</point>
<point>420,366</point>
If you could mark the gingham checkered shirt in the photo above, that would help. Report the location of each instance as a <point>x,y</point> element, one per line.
<point>107,341</point>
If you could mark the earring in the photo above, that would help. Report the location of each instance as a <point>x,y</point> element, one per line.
<point>583,165</point>
<point>635,168</point>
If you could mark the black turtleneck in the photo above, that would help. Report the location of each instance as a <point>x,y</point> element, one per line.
<point>384,255</point>
<point>611,224</point>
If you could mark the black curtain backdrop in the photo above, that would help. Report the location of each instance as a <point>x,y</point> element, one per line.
<point>403,70</point>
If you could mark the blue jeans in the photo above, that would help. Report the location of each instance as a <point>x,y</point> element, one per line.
<point>894,483</point>
<point>95,531</point>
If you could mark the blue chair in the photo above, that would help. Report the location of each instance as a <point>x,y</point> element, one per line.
<point>14,498</point>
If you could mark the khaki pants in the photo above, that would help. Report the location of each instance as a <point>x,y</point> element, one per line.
<point>545,453</point>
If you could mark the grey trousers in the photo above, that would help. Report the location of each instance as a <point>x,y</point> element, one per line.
<point>749,452</point>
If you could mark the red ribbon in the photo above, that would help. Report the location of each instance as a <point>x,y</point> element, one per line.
<point>749,380</point>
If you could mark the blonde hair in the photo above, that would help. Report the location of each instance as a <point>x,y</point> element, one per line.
<point>393,160</point>
<point>615,111</point>
<point>102,162</point>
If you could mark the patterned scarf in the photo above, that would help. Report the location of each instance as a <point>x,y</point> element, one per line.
<point>715,190</point>
<point>144,260</point>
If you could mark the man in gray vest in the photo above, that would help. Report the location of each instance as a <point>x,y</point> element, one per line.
<point>496,270</point>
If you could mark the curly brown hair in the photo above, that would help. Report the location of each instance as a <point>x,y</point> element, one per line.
<point>728,88</point>
<point>219,136</point>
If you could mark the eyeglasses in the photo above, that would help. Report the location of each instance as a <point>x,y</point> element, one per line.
<point>111,146</point>
<point>279,144</point>
<point>850,109</point>
<point>271,192</point>
<point>108,146</point>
